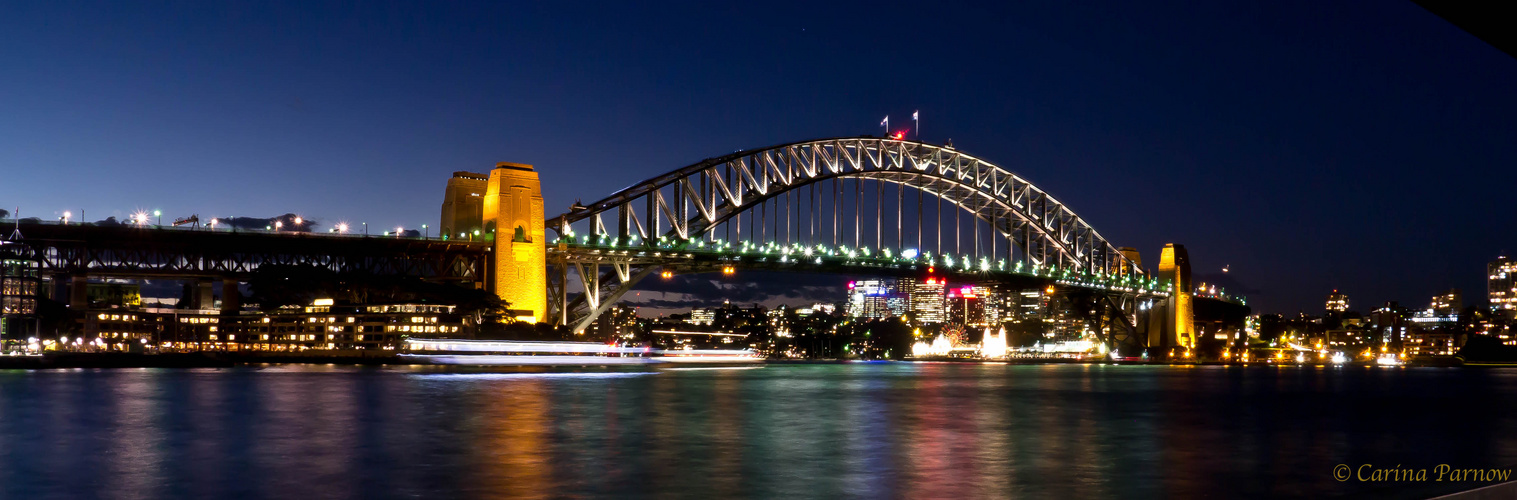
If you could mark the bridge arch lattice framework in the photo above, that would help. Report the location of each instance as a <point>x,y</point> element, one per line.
<point>699,200</point>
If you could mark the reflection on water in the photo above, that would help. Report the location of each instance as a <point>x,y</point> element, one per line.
<point>795,431</point>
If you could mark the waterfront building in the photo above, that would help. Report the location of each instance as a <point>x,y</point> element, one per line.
<point>1434,342</point>
<point>20,282</point>
<point>1389,324</point>
<point>322,325</point>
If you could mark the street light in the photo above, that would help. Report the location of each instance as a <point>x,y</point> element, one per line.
<point>342,227</point>
<point>278,224</point>
<point>159,215</point>
<point>424,231</point>
<point>365,229</point>
<point>66,215</point>
<point>398,229</point>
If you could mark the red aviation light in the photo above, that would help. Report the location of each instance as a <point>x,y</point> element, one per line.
<point>899,136</point>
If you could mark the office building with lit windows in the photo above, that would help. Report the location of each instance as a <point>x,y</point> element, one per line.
<point>1502,292</point>
<point>870,299</point>
<point>1337,302</point>
<point>925,297</point>
<point>1448,303</point>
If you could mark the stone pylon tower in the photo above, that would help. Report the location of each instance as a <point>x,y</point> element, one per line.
<point>513,205</point>
<point>1172,323</point>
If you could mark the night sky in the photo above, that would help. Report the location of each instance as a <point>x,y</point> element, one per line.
<point>1367,147</point>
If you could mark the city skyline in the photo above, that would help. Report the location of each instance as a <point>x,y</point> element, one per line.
<point>1284,174</point>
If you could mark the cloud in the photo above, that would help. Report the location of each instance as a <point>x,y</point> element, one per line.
<point>259,223</point>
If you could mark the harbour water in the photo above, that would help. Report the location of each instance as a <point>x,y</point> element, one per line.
<point>861,430</point>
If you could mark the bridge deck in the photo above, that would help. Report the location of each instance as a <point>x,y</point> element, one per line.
<point>140,252</point>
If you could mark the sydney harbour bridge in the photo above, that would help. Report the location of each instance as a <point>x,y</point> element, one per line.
<point>855,205</point>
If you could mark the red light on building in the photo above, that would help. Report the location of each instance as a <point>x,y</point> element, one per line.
<point>900,135</point>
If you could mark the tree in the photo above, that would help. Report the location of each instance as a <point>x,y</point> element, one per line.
<point>892,336</point>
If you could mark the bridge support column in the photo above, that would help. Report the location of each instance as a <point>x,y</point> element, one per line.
<point>59,291</point>
<point>198,294</point>
<point>231,296</point>
<point>514,201</point>
<point>205,294</point>
<point>79,292</point>
<point>1171,324</point>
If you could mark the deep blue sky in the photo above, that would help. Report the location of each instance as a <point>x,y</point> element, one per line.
<point>1367,147</point>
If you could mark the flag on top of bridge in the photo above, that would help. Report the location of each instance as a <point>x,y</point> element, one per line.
<point>917,122</point>
<point>886,123</point>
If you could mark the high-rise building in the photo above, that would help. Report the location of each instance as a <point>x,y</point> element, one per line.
<point>925,298</point>
<point>997,309</point>
<point>870,299</point>
<point>966,306</point>
<point>1030,303</point>
<point>617,323</point>
<point>1448,303</point>
<point>463,205</point>
<point>1389,324</point>
<point>1500,274</point>
<point>1337,302</point>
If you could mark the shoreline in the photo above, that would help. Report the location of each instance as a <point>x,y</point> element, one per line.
<point>230,360</point>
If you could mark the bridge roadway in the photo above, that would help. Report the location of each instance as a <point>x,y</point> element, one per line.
<point>697,256</point>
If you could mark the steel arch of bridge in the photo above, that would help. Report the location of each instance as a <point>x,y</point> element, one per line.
<point>694,200</point>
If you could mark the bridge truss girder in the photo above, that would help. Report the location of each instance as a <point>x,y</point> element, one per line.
<point>1115,317</point>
